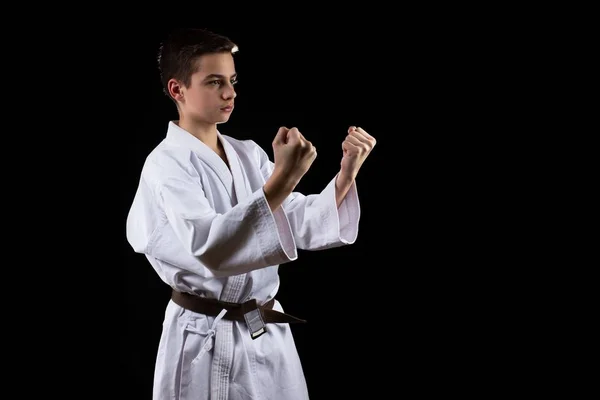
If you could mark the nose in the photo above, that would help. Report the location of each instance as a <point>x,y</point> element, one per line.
<point>229,92</point>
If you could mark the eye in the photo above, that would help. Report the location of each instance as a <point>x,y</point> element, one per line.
<point>219,83</point>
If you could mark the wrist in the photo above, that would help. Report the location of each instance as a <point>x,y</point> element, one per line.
<point>343,183</point>
<point>342,186</point>
<point>344,180</point>
<point>283,181</point>
<point>279,185</point>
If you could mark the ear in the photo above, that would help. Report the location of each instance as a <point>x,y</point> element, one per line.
<point>175,89</point>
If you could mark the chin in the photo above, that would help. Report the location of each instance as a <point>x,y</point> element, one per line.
<point>222,120</point>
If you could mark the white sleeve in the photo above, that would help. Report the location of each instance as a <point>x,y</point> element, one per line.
<point>247,237</point>
<point>315,220</point>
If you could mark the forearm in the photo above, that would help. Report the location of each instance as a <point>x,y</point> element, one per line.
<point>342,186</point>
<point>317,222</point>
<point>277,189</point>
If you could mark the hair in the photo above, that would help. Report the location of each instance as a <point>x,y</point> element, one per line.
<point>179,52</point>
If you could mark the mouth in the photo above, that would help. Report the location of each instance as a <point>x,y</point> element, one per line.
<point>227,108</point>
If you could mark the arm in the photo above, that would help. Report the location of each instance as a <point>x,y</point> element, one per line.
<point>356,147</point>
<point>329,219</point>
<point>318,221</point>
<point>342,186</point>
<point>247,237</point>
<point>277,189</point>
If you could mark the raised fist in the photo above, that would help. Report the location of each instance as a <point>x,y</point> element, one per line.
<point>356,148</point>
<point>293,153</point>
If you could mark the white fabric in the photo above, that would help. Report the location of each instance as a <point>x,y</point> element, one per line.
<point>209,231</point>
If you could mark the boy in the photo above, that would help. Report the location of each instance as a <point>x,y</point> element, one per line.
<point>215,218</point>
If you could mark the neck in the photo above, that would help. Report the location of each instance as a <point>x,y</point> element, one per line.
<point>205,132</point>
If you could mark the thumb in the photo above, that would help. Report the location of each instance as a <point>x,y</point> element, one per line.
<point>281,136</point>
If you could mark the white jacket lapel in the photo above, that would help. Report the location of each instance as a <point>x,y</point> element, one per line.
<point>179,136</point>
<point>239,178</point>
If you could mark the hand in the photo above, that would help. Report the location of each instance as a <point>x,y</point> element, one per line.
<point>293,154</point>
<point>356,148</point>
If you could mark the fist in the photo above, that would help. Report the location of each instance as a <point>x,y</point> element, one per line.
<point>293,153</point>
<point>356,148</point>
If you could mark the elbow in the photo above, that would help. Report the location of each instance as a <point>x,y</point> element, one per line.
<point>138,242</point>
<point>223,262</point>
<point>213,263</point>
<point>219,262</point>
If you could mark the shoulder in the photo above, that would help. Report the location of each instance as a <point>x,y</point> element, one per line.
<point>166,161</point>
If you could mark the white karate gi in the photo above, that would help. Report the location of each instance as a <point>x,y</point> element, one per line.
<point>209,231</point>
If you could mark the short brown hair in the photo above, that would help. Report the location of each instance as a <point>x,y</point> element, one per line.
<point>179,51</point>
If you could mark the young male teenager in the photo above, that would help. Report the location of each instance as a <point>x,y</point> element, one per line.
<point>215,218</point>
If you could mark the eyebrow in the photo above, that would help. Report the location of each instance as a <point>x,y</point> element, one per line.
<point>219,76</point>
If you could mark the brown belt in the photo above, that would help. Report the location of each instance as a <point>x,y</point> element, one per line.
<point>235,311</point>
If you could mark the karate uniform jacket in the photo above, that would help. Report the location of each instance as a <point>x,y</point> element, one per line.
<point>208,230</point>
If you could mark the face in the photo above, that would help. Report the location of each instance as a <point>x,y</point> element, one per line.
<point>209,98</point>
